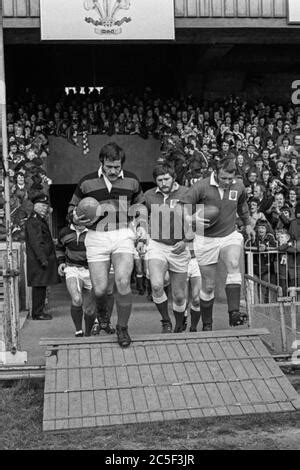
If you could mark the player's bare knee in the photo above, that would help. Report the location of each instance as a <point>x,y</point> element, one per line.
<point>123,286</point>
<point>89,312</point>
<point>196,301</point>
<point>77,300</point>
<point>179,298</point>
<point>157,289</point>
<point>99,291</point>
<point>209,288</point>
<point>233,265</point>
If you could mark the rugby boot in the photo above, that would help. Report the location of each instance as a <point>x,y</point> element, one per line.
<point>95,328</point>
<point>124,339</point>
<point>193,330</point>
<point>178,329</point>
<point>79,334</point>
<point>107,328</point>
<point>237,318</point>
<point>207,327</point>
<point>166,326</point>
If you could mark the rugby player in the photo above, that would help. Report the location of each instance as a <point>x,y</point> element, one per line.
<point>220,240</point>
<point>72,264</point>
<point>109,239</point>
<point>166,250</point>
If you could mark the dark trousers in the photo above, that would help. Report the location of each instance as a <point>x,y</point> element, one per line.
<point>38,300</point>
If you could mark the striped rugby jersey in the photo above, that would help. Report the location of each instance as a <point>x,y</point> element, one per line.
<point>115,197</point>
<point>70,247</point>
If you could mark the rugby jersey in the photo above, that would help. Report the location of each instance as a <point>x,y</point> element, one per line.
<point>164,211</point>
<point>230,202</point>
<point>113,196</point>
<point>70,247</point>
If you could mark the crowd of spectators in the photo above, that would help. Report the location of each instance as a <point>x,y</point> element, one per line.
<point>262,137</point>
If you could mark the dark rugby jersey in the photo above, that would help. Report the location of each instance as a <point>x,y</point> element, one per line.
<point>234,202</point>
<point>70,248</point>
<point>166,217</point>
<point>125,192</point>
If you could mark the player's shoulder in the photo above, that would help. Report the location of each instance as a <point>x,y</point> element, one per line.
<point>201,184</point>
<point>150,191</point>
<point>130,175</point>
<point>238,184</point>
<point>182,190</point>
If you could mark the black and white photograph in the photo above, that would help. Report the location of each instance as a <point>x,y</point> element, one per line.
<point>150,229</point>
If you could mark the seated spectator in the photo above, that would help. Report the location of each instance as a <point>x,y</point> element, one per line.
<point>268,162</point>
<point>286,150</point>
<point>292,201</point>
<point>285,134</point>
<point>270,133</point>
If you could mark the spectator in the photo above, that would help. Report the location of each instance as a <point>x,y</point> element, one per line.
<point>255,215</point>
<point>41,258</point>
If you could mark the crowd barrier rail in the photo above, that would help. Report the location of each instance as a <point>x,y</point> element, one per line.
<point>272,295</point>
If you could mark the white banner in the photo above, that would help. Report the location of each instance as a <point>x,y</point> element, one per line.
<point>107,20</point>
<point>293,11</point>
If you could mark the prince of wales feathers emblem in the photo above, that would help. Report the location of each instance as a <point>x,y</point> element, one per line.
<point>107,11</point>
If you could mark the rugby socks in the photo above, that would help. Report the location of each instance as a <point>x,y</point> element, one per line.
<point>195,313</point>
<point>162,306</point>
<point>77,314</point>
<point>88,322</point>
<point>206,309</point>
<point>101,304</point>
<point>178,311</point>
<point>233,291</point>
<point>233,294</point>
<point>148,289</point>
<point>110,305</point>
<point>140,283</point>
<point>124,306</point>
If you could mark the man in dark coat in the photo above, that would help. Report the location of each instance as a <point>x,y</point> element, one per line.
<point>41,259</point>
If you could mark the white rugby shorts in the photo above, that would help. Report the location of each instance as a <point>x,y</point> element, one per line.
<point>81,274</point>
<point>193,269</point>
<point>101,245</point>
<point>207,249</point>
<point>162,252</point>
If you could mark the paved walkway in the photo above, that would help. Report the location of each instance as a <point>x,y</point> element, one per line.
<point>144,320</point>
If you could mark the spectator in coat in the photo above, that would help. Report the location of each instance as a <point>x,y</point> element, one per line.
<point>41,258</point>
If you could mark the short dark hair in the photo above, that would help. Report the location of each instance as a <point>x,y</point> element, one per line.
<point>112,152</point>
<point>163,169</point>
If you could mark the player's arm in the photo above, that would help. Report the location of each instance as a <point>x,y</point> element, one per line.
<point>139,215</point>
<point>243,213</point>
<point>187,210</point>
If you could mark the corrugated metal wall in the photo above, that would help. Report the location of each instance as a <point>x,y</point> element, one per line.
<point>183,8</point>
<point>21,8</point>
<point>231,8</point>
